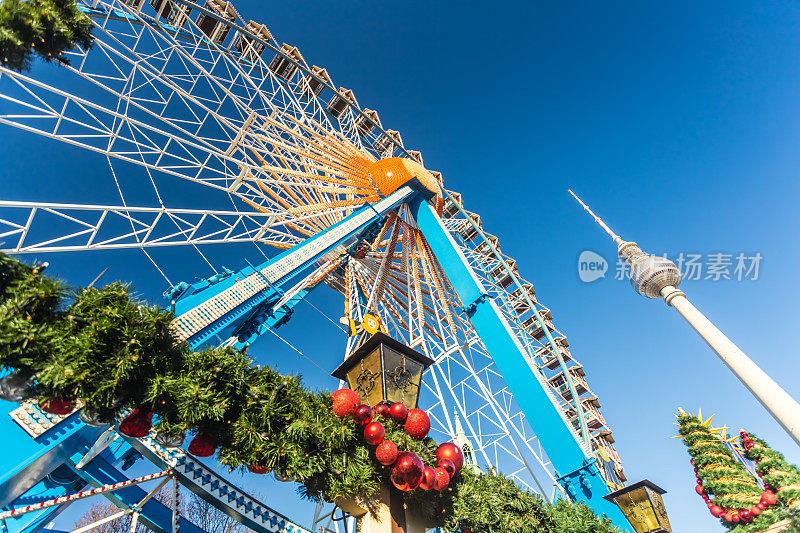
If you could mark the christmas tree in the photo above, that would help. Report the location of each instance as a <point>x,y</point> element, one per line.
<point>736,493</point>
<point>782,480</point>
<point>46,28</point>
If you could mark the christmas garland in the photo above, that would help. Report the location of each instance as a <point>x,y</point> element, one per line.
<point>102,350</point>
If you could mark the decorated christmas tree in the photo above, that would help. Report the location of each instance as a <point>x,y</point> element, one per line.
<point>736,493</point>
<point>743,503</point>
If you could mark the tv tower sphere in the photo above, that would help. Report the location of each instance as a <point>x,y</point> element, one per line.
<point>658,277</point>
<point>650,274</point>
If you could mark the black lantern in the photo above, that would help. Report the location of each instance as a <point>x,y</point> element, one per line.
<point>384,370</point>
<point>642,505</point>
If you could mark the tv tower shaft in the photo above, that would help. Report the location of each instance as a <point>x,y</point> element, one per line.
<point>658,277</point>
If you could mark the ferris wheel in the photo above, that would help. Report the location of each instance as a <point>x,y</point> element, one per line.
<point>215,135</point>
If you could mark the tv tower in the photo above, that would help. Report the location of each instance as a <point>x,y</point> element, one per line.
<point>658,277</point>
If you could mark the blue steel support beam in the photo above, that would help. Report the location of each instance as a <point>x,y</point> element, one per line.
<point>579,475</point>
<point>227,302</point>
<point>275,318</point>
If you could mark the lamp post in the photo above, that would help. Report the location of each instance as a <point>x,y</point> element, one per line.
<point>642,505</point>
<point>384,370</point>
<point>658,277</point>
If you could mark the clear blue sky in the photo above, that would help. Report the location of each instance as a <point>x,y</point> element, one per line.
<point>678,122</point>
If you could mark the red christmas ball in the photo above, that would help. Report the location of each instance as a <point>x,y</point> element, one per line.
<point>735,517</point>
<point>706,498</point>
<point>768,498</point>
<point>137,424</point>
<point>386,452</point>
<point>442,479</point>
<point>699,489</point>
<point>451,452</point>
<point>761,505</point>
<point>428,479</point>
<point>202,445</point>
<point>726,517</point>
<point>417,424</point>
<point>363,414</point>
<point>398,412</point>
<point>57,406</point>
<point>745,516</point>
<point>407,472</point>
<point>447,465</point>
<point>716,511</point>
<point>374,433</point>
<point>381,409</point>
<point>257,469</point>
<point>344,402</point>
<point>755,510</point>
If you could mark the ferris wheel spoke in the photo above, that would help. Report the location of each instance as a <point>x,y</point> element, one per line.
<point>97,227</point>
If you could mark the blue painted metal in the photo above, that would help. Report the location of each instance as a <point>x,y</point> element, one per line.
<point>579,473</point>
<point>213,488</point>
<point>282,268</point>
<point>268,318</point>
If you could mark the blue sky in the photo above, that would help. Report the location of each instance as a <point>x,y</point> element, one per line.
<point>677,122</point>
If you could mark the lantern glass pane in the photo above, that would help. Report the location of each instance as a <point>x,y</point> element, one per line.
<point>365,378</point>
<point>402,375</point>
<point>637,509</point>
<point>661,511</point>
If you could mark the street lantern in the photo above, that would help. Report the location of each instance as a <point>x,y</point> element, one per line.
<point>384,370</point>
<point>642,505</point>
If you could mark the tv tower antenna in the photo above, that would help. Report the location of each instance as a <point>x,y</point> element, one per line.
<point>658,277</point>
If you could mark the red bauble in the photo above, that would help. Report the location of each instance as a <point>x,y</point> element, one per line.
<point>761,505</point>
<point>363,414</point>
<point>202,446</point>
<point>716,511</point>
<point>745,516</point>
<point>755,510</point>
<point>447,465</point>
<point>344,402</point>
<point>386,452</point>
<point>428,479</point>
<point>381,409</point>
<point>768,498</point>
<point>137,424</point>
<point>57,406</point>
<point>706,498</point>
<point>374,433</point>
<point>417,424</point>
<point>735,517</point>
<point>726,517</point>
<point>699,489</point>
<point>257,469</point>
<point>398,412</point>
<point>451,452</point>
<point>442,479</point>
<point>407,472</point>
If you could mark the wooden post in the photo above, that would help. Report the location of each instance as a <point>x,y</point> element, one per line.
<point>385,514</point>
